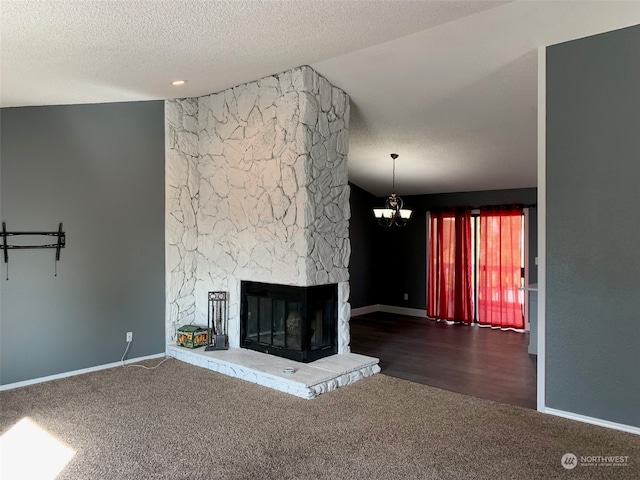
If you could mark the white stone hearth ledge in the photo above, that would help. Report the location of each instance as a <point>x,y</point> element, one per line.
<point>308,381</point>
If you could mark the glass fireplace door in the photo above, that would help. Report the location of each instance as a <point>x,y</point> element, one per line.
<point>321,325</point>
<point>298,323</point>
<point>274,322</point>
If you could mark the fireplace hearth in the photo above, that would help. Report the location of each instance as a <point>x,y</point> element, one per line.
<point>298,323</point>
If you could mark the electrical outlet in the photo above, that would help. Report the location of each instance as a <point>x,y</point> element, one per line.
<point>406,296</point>
<point>129,337</point>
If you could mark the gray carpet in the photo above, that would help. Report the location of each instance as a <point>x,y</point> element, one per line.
<point>184,422</point>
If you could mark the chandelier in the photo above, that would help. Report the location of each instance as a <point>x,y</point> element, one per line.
<point>392,213</point>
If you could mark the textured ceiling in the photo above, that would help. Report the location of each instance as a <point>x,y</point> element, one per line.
<point>449,85</point>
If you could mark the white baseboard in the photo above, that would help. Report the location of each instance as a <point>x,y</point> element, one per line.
<point>364,310</point>
<point>592,420</point>
<point>413,312</point>
<point>11,386</point>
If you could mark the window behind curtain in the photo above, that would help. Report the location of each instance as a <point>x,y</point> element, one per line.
<point>449,291</point>
<point>476,261</point>
<point>500,267</point>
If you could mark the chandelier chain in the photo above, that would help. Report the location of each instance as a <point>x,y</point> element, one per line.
<point>393,182</point>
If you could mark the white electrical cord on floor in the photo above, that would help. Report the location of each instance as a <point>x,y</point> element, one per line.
<point>148,368</point>
<point>139,366</point>
<point>125,353</point>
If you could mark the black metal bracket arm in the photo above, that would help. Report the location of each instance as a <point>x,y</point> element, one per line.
<point>60,242</point>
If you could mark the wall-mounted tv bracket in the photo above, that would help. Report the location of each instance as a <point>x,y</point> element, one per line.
<point>60,243</point>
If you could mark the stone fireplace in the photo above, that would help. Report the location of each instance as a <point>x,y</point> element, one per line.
<point>256,190</point>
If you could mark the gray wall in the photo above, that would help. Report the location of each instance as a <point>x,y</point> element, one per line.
<point>593,227</point>
<point>362,264</point>
<point>397,257</point>
<point>99,169</point>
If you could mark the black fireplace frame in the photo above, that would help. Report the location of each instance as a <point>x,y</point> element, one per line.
<point>309,298</point>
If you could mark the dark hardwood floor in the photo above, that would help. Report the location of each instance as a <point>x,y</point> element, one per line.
<point>475,361</point>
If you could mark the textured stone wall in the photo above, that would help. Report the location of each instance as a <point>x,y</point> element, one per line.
<point>257,190</point>
<point>182,186</point>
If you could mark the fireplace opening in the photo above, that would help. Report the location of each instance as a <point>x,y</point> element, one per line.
<point>299,323</point>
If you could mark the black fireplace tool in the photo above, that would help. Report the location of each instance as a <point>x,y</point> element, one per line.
<point>217,322</point>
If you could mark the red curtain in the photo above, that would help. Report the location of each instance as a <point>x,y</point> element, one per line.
<point>499,299</point>
<point>449,292</point>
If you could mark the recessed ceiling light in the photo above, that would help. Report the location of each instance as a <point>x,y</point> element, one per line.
<point>178,82</point>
